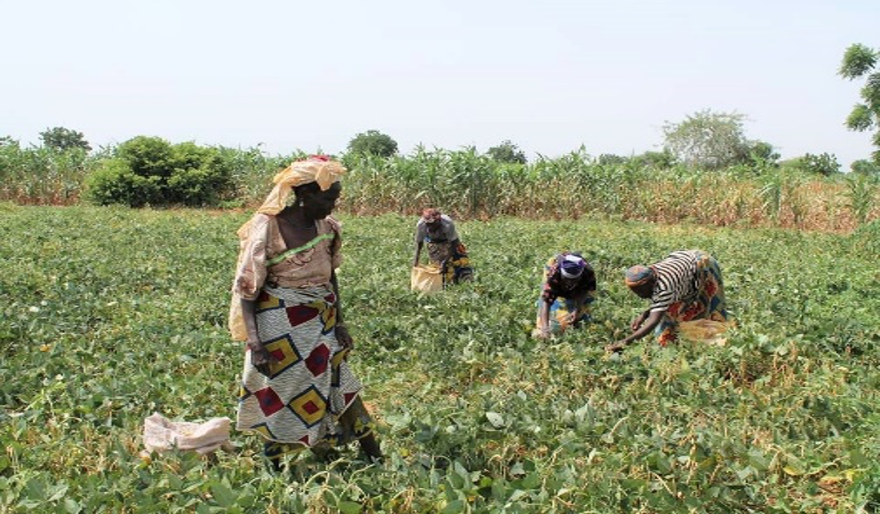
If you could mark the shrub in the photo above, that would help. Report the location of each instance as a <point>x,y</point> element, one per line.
<point>659,160</point>
<point>762,155</point>
<point>151,170</point>
<point>115,182</point>
<point>148,156</point>
<point>865,167</point>
<point>200,185</point>
<point>825,164</point>
<point>610,159</point>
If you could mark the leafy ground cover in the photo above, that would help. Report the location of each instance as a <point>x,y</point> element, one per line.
<point>107,315</point>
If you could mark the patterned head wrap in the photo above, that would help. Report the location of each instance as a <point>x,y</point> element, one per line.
<point>572,266</point>
<point>638,275</point>
<point>317,168</point>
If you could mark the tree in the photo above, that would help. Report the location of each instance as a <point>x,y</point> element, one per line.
<point>865,167</point>
<point>61,138</point>
<point>822,164</point>
<point>708,139</point>
<point>761,152</point>
<point>507,152</point>
<point>610,159</point>
<point>373,142</point>
<point>858,61</point>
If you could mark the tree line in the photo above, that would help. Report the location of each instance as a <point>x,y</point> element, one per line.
<point>150,170</point>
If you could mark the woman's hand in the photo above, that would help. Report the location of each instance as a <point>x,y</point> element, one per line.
<point>343,337</point>
<point>543,332</point>
<point>616,347</point>
<point>642,326</point>
<point>638,321</point>
<point>261,358</point>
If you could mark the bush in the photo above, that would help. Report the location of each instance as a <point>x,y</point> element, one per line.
<point>151,170</point>
<point>763,155</point>
<point>610,159</point>
<point>115,182</point>
<point>865,167</point>
<point>823,164</point>
<point>659,160</point>
<point>148,156</point>
<point>202,185</point>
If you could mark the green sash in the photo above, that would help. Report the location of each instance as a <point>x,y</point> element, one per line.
<point>293,251</point>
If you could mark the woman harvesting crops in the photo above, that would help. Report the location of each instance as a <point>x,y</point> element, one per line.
<point>684,286</point>
<point>297,389</point>
<point>445,249</point>
<point>569,288</point>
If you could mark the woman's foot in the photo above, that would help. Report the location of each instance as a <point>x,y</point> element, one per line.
<point>370,447</point>
<point>325,453</point>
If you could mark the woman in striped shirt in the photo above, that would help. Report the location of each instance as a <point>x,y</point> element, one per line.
<point>684,286</point>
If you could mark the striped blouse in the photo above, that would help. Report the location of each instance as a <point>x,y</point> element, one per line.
<point>676,279</point>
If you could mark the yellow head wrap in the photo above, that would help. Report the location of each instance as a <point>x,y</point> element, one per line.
<point>324,172</point>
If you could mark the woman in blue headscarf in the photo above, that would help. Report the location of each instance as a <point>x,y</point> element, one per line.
<point>569,288</point>
<point>685,286</point>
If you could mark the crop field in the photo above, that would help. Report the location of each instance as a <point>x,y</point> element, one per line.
<point>110,314</point>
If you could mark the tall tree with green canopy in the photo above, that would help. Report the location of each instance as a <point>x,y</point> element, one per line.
<point>61,138</point>
<point>373,142</point>
<point>861,61</point>
<point>507,152</point>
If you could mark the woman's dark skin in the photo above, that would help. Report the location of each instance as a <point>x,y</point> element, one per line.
<point>432,219</point>
<point>297,226</point>
<point>645,323</point>
<point>544,312</point>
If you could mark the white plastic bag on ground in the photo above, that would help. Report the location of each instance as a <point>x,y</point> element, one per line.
<point>161,435</point>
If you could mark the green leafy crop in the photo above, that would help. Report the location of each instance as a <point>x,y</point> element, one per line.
<point>110,314</point>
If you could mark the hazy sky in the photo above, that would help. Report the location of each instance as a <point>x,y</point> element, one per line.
<point>549,75</point>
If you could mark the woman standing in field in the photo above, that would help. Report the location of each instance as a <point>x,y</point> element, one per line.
<point>297,389</point>
<point>569,288</point>
<point>445,249</point>
<point>684,286</point>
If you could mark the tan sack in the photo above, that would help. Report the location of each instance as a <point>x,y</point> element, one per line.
<point>161,435</point>
<point>426,279</point>
<point>704,330</point>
